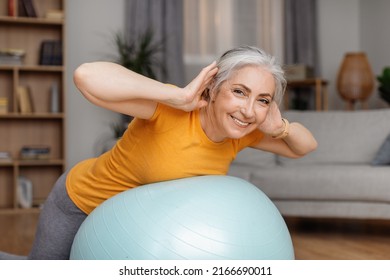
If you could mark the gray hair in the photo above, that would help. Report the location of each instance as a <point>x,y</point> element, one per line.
<point>237,58</point>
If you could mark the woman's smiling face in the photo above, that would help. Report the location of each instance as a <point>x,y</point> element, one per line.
<point>241,104</point>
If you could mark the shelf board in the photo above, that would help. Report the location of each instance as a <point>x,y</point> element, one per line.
<point>6,162</point>
<point>7,211</point>
<point>32,116</point>
<point>33,68</point>
<point>40,162</point>
<point>30,20</point>
<point>28,163</point>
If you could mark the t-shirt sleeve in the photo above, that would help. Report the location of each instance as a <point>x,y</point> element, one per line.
<point>165,118</point>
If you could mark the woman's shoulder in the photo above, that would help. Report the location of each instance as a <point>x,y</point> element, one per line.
<point>165,111</point>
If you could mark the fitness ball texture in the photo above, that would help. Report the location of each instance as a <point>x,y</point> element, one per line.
<point>205,217</point>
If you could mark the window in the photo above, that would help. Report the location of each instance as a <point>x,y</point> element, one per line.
<point>213,26</point>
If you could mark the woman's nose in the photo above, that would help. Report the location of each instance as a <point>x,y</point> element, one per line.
<point>247,109</point>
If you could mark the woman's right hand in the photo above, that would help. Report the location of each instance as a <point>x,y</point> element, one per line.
<point>189,98</point>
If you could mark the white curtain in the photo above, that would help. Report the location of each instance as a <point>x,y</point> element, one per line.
<point>165,17</point>
<point>301,33</point>
<point>214,26</point>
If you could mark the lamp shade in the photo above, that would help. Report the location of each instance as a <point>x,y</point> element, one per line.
<point>355,81</point>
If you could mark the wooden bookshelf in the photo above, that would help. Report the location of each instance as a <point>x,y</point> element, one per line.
<point>42,126</point>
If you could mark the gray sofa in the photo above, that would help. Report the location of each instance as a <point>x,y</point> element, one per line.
<point>339,179</point>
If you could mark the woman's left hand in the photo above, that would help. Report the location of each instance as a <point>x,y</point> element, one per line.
<point>273,124</point>
<point>298,143</point>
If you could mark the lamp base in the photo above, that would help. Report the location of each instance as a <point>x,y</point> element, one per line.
<point>350,105</point>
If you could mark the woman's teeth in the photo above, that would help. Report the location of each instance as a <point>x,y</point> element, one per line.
<point>240,123</point>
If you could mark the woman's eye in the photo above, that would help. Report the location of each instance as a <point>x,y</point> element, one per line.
<point>264,101</point>
<point>238,92</point>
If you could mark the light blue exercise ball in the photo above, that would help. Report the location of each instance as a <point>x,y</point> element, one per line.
<point>205,217</point>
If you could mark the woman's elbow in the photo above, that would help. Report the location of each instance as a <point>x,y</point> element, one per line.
<point>309,147</point>
<point>80,75</point>
<point>304,149</point>
<point>312,147</point>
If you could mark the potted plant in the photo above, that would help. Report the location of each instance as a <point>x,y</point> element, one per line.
<point>384,84</point>
<point>140,56</point>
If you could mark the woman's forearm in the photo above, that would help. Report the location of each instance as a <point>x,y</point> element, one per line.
<point>300,140</point>
<point>111,82</point>
<point>107,84</point>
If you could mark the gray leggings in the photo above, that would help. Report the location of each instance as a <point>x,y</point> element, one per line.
<point>57,226</point>
<point>58,223</point>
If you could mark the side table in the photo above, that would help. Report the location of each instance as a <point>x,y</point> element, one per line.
<point>320,89</point>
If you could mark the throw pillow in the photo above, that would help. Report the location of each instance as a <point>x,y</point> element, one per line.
<point>383,155</point>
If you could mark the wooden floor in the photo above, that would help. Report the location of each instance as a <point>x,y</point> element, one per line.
<point>312,239</point>
<point>340,239</point>
<point>17,232</point>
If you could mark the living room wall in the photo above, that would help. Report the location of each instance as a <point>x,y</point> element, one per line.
<point>375,37</point>
<point>90,27</point>
<point>343,26</point>
<point>352,26</point>
<point>338,33</point>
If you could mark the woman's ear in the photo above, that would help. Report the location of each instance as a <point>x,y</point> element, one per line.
<point>212,91</point>
<point>206,94</point>
<point>213,95</point>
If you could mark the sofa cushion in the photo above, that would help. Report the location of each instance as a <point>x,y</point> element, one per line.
<point>342,136</point>
<point>257,158</point>
<point>242,171</point>
<point>383,155</point>
<point>332,209</point>
<point>325,182</point>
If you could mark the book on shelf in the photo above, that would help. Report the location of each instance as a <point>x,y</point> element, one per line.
<point>20,11</point>
<point>24,100</point>
<point>51,52</point>
<point>5,156</point>
<point>25,192</point>
<point>11,56</point>
<point>55,14</point>
<point>27,8</point>
<point>3,105</point>
<point>12,7</point>
<point>35,152</point>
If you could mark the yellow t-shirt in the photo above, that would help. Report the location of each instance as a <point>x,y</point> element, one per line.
<point>171,145</point>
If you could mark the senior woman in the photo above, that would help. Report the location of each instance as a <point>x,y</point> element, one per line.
<point>176,133</point>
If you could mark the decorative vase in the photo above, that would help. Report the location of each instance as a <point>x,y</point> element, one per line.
<point>355,81</point>
<point>54,99</point>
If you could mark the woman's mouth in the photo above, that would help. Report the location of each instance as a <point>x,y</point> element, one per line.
<point>240,122</point>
